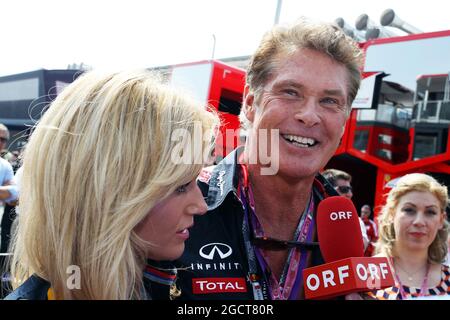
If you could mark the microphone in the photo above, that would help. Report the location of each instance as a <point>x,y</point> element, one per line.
<point>346,270</point>
<point>338,229</point>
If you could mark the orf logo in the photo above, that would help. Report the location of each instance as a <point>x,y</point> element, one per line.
<point>208,251</point>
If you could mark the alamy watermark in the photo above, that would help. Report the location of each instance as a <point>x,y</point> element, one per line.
<point>189,147</point>
<point>74,277</point>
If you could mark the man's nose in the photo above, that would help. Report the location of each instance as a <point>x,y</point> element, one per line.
<point>306,112</point>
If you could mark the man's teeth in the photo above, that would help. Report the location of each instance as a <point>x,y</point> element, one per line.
<point>299,140</point>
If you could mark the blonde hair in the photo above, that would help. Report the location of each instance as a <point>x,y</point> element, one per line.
<point>412,182</point>
<point>285,40</point>
<point>95,165</point>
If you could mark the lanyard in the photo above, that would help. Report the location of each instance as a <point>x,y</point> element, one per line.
<point>291,277</point>
<point>259,285</point>
<point>402,290</point>
<point>304,233</point>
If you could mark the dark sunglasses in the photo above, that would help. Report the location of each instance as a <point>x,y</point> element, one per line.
<point>273,244</point>
<point>4,140</point>
<point>267,243</point>
<point>344,189</point>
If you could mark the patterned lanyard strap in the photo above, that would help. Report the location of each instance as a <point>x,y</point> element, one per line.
<point>423,288</point>
<point>303,232</point>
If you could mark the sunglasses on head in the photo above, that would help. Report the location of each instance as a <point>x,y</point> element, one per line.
<point>344,189</point>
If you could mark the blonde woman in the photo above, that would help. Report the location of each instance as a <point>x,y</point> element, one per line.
<point>413,233</point>
<point>103,187</point>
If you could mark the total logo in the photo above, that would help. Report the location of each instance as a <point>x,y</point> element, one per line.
<point>211,250</point>
<point>217,285</point>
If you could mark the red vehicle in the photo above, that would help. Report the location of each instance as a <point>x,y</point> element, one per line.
<point>401,117</point>
<point>220,86</point>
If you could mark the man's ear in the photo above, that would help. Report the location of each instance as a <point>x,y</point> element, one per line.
<point>249,108</point>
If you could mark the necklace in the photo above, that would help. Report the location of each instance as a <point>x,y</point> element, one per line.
<point>424,286</point>
<point>409,275</point>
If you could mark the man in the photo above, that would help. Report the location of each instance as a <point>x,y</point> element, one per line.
<point>8,190</point>
<point>371,229</point>
<point>341,181</point>
<point>4,138</point>
<point>300,86</point>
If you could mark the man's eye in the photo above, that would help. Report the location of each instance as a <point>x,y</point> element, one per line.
<point>330,101</point>
<point>290,92</point>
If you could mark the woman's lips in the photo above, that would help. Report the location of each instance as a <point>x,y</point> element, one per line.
<point>417,234</point>
<point>184,233</point>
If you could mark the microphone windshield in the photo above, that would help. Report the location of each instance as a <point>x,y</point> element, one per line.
<point>338,229</point>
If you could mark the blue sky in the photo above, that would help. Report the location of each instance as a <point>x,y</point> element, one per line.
<point>119,34</point>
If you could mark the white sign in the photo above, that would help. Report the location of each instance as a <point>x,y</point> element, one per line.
<point>364,98</point>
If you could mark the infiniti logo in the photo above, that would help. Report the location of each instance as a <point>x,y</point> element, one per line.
<point>208,251</point>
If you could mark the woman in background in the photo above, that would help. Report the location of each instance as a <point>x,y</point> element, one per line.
<point>413,234</point>
<point>103,187</point>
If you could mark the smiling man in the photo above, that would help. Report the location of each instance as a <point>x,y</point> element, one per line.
<point>259,233</point>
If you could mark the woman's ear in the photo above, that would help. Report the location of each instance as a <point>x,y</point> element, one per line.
<point>249,108</point>
<point>442,219</point>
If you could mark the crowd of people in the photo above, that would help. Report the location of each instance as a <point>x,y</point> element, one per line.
<point>104,188</point>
